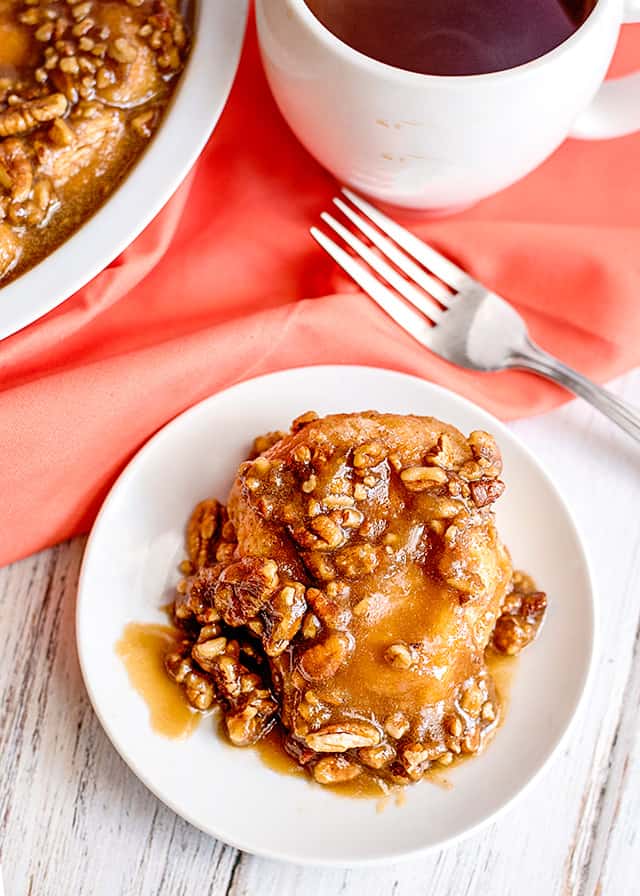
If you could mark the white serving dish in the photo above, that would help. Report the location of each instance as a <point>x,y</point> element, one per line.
<point>219,28</point>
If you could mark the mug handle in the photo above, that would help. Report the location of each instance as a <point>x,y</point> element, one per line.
<point>615,109</point>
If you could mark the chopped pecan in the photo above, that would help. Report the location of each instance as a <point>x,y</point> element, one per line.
<point>244,588</point>
<point>335,770</point>
<point>377,757</point>
<point>331,606</point>
<point>396,725</point>
<point>310,626</point>
<point>301,421</point>
<point>401,656</point>
<point>227,673</point>
<point>443,453</point>
<point>486,453</point>
<point>324,659</point>
<point>16,170</point>
<point>178,662</point>
<point>415,759</point>
<point>9,249</point>
<point>198,600</point>
<point>205,653</point>
<point>521,618</point>
<point>473,700</point>
<point>247,724</point>
<point>17,120</point>
<point>368,455</point>
<point>420,479</point>
<point>357,560</point>
<point>313,710</point>
<point>199,690</point>
<point>294,748</point>
<point>485,491</point>
<point>264,442</point>
<point>328,532</point>
<point>282,617</point>
<point>320,565</point>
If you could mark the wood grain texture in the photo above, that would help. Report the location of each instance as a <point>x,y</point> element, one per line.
<point>74,819</point>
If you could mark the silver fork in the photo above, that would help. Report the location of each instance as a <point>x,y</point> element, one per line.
<point>445,309</point>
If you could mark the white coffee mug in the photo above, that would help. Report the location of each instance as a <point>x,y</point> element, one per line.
<point>442,142</point>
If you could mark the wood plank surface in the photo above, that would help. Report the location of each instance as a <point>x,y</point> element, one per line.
<point>74,820</point>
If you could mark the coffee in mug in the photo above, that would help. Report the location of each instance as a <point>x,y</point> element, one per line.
<point>477,93</point>
<point>452,37</point>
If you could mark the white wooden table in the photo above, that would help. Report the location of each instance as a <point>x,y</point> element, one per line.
<point>75,821</point>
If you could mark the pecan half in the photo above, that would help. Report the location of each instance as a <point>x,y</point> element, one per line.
<point>203,530</point>
<point>21,119</point>
<point>485,491</point>
<point>344,736</point>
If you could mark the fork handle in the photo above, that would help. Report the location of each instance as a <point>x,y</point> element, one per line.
<point>533,358</point>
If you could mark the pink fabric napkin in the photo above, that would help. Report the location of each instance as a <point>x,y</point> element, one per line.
<point>226,284</point>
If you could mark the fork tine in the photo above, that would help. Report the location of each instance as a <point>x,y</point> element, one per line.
<point>414,324</point>
<point>404,287</point>
<point>438,264</point>
<point>419,275</point>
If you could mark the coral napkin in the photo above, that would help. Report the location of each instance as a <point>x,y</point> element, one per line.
<point>226,284</point>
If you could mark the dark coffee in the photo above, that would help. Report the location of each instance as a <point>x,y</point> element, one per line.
<point>452,37</point>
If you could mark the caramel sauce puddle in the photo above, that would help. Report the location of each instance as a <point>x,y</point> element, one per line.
<point>142,649</point>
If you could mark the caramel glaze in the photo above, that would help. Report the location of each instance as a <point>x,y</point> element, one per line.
<point>414,565</point>
<point>142,649</point>
<point>352,591</point>
<point>272,753</point>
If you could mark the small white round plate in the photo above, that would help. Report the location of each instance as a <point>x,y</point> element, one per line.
<point>130,563</point>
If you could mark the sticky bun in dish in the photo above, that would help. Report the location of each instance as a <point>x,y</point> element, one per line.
<point>349,592</point>
<point>83,87</point>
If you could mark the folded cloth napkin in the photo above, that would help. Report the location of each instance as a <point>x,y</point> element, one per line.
<point>226,284</point>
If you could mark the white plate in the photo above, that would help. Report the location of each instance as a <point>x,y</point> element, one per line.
<point>199,99</point>
<point>130,562</point>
